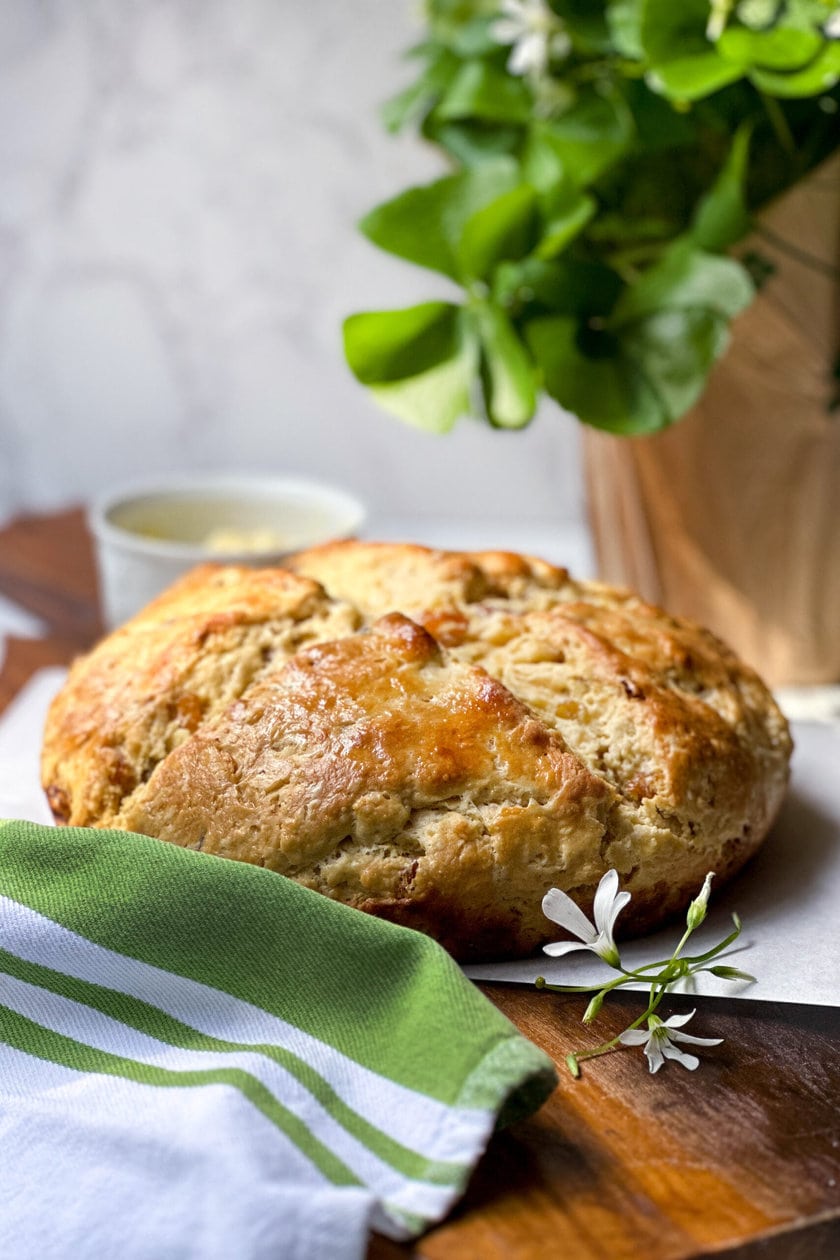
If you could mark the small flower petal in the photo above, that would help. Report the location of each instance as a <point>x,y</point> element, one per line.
<point>609,903</point>
<point>689,1061</point>
<point>615,910</point>
<point>694,1041</point>
<point>560,45</point>
<point>634,1037</point>
<point>653,1053</point>
<point>530,53</point>
<point>559,907</point>
<point>659,1040</point>
<point>505,31</point>
<point>558,948</point>
<point>535,33</point>
<point>672,1026</point>
<point>677,1021</point>
<point>605,895</point>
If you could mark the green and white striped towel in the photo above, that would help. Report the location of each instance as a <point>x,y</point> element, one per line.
<point>199,1058</point>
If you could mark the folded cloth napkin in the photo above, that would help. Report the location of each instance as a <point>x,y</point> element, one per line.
<point>199,1058</point>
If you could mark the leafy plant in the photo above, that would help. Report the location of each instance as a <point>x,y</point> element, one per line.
<point>608,156</point>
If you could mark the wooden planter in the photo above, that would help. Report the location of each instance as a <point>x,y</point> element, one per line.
<point>732,517</point>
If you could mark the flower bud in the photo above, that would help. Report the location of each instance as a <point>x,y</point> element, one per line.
<point>731,973</point>
<point>697,909</point>
<point>593,1008</point>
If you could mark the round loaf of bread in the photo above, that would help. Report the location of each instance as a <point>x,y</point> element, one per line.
<point>434,737</point>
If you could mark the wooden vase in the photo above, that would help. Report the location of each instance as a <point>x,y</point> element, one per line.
<point>732,516</point>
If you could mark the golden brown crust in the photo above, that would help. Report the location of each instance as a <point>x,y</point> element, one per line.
<point>438,740</point>
<point>148,686</point>
<point>385,577</point>
<point>389,776</point>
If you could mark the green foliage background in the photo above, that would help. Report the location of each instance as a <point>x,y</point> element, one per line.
<point>593,213</point>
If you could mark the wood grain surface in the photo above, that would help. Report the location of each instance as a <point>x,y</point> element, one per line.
<point>730,517</point>
<point>738,1159</point>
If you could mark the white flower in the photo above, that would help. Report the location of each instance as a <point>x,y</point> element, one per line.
<point>659,1040</point>
<point>758,15</point>
<point>609,903</point>
<point>831,26</point>
<point>718,17</point>
<point>535,32</point>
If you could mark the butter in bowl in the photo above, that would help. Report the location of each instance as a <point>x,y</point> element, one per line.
<point>147,535</point>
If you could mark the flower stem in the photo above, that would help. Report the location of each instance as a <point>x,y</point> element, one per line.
<point>779,124</point>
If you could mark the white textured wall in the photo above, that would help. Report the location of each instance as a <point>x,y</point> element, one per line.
<point>179,183</point>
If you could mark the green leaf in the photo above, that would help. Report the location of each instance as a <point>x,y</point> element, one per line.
<point>617,228</point>
<point>669,31</point>
<point>659,125</point>
<point>588,138</point>
<point>390,345</point>
<point>419,363</point>
<point>674,351</point>
<point>721,217</point>
<point>647,365</point>
<point>472,142</point>
<point>625,24</point>
<point>566,210</point>
<point>505,229</point>
<point>424,225</point>
<point>682,61</point>
<point>606,392</point>
<point>542,166</point>
<point>617,299</point>
<point>563,286</point>
<point>820,76</point>
<point>807,14</point>
<point>480,90</point>
<point>686,277</point>
<point>412,102</point>
<point>419,97</point>
<point>474,37</point>
<point>566,222</point>
<point>780,48</point>
<point>507,370</point>
<point>413,225</point>
<point>433,400</point>
<point>691,78</point>
<point>586,25</point>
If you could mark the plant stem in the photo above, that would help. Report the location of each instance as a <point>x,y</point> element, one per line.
<point>779,124</point>
<point>656,996</point>
<point>716,949</point>
<point>614,1041</point>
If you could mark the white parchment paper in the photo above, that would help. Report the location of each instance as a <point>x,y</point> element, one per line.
<point>788,897</point>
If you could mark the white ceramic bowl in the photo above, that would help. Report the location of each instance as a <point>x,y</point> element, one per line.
<point>148,534</point>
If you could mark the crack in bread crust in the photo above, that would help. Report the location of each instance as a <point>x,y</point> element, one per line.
<point>433,737</point>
